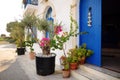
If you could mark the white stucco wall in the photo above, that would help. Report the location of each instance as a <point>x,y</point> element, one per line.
<point>61,13</point>
<point>62,9</point>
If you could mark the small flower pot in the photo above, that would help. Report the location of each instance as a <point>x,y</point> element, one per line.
<point>73,66</point>
<point>82,61</point>
<point>32,55</point>
<point>66,73</point>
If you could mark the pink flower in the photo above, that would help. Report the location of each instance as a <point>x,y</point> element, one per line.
<point>45,39</point>
<point>44,42</point>
<point>57,29</point>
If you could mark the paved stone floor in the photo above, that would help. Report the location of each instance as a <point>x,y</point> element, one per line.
<point>7,56</point>
<point>22,68</point>
<point>14,67</point>
<point>14,72</point>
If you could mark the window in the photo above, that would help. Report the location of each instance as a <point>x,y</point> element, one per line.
<point>49,13</point>
<point>50,20</point>
<point>34,2</point>
<point>31,36</point>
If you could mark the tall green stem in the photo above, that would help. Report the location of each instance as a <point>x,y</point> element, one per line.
<point>64,51</point>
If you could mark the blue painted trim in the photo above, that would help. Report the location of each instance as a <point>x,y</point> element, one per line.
<point>34,2</point>
<point>28,1</point>
<point>50,20</point>
<point>47,35</point>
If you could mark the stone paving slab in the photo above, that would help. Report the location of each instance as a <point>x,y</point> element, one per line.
<point>21,67</point>
<point>7,56</point>
<point>30,69</point>
<point>14,72</point>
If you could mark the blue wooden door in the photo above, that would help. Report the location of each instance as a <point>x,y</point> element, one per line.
<point>91,10</point>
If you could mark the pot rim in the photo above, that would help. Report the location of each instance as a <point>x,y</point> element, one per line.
<point>41,55</point>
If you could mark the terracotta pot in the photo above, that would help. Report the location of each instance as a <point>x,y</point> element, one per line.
<point>32,55</point>
<point>73,66</point>
<point>66,73</point>
<point>82,61</point>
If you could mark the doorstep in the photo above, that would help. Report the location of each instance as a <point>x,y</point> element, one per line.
<point>90,72</point>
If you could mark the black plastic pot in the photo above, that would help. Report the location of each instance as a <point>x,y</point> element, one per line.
<point>45,65</point>
<point>21,50</point>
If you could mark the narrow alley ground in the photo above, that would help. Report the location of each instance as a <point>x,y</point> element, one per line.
<point>14,67</point>
<point>7,55</point>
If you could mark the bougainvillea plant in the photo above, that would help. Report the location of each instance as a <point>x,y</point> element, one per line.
<point>59,37</point>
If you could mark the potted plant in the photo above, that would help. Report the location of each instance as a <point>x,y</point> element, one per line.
<point>83,53</point>
<point>20,38</point>
<point>73,58</point>
<point>31,53</point>
<point>45,62</point>
<point>16,30</point>
<point>66,67</point>
<point>54,41</point>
